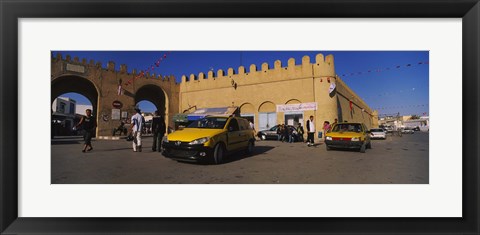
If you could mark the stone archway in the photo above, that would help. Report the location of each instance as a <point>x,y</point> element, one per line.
<point>154,94</point>
<point>76,84</point>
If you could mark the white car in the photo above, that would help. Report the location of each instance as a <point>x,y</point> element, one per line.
<point>377,133</point>
<point>408,131</point>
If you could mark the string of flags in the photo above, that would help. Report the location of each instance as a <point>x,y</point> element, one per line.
<point>390,93</point>
<point>148,69</point>
<point>397,114</point>
<point>402,106</point>
<point>378,70</point>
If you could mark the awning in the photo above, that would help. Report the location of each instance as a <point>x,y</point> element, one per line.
<point>203,112</point>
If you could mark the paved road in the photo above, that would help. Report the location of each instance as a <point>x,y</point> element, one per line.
<point>397,160</point>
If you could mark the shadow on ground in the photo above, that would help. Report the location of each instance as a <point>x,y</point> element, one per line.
<point>56,142</point>
<point>236,156</point>
<point>258,150</point>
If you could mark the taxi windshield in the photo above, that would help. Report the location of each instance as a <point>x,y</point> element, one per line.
<point>209,123</point>
<point>347,127</point>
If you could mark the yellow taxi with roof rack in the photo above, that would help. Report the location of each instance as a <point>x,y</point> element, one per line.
<point>209,139</point>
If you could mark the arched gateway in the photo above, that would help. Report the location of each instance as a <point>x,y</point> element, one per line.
<point>113,94</point>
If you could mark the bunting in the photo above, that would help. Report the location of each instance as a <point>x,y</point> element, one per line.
<point>148,69</point>
<point>379,70</point>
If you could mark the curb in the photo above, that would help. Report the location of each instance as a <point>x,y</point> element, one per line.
<point>110,137</point>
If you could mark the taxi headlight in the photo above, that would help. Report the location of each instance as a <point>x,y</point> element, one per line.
<point>199,141</point>
<point>328,138</point>
<point>356,139</point>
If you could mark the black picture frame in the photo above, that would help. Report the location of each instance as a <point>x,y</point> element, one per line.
<point>11,11</point>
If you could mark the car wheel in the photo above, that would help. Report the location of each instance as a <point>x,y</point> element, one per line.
<point>328,147</point>
<point>362,149</point>
<point>263,137</point>
<point>218,154</point>
<point>250,146</point>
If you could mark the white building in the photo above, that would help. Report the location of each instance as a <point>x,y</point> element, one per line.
<point>63,115</point>
<point>80,110</point>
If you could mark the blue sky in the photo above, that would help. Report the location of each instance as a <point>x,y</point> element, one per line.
<point>398,81</point>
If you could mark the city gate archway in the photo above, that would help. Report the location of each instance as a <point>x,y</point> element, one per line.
<point>113,93</point>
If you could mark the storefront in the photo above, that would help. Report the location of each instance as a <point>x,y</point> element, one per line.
<point>294,113</point>
<point>293,118</point>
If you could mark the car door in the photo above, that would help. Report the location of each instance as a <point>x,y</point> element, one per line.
<point>365,133</point>
<point>245,132</point>
<point>272,132</point>
<point>234,135</point>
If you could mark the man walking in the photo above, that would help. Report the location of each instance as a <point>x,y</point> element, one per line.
<point>310,132</point>
<point>136,128</point>
<point>89,124</point>
<point>158,129</point>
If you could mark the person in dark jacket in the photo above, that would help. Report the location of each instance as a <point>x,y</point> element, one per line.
<point>158,129</point>
<point>88,124</point>
<point>287,133</point>
<point>280,132</point>
<point>300,132</point>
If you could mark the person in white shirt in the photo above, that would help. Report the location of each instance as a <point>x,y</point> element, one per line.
<point>136,128</point>
<point>310,132</point>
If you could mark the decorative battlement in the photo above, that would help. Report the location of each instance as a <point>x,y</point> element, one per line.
<point>97,65</point>
<point>323,65</point>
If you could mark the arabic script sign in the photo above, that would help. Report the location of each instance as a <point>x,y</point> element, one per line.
<point>76,68</point>
<point>297,107</point>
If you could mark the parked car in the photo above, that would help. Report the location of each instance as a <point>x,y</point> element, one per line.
<point>348,135</point>
<point>378,133</point>
<point>389,129</point>
<point>272,133</point>
<point>210,138</point>
<point>408,131</point>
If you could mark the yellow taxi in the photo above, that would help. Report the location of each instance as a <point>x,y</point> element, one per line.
<point>348,135</point>
<point>209,138</point>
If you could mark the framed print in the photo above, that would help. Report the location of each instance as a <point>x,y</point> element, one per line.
<point>87,179</point>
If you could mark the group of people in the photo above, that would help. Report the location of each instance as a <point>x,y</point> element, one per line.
<point>158,130</point>
<point>88,123</point>
<point>290,134</point>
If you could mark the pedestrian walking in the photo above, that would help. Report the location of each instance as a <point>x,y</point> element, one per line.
<point>158,129</point>
<point>88,124</point>
<point>326,128</point>
<point>300,132</point>
<point>136,128</point>
<point>310,132</point>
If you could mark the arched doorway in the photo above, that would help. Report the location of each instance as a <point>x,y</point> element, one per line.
<point>153,94</point>
<point>248,111</point>
<point>267,115</point>
<point>151,98</point>
<point>70,84</point>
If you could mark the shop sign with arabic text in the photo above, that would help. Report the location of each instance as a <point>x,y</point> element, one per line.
<point>297,107</point>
